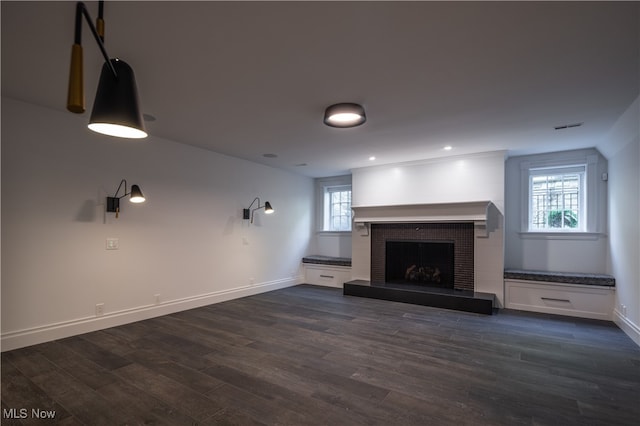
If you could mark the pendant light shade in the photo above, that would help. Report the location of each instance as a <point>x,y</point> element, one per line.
<point>344,115</point>
<point>115,109</point>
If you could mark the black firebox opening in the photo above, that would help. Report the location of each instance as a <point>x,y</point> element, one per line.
<point>420,262</point>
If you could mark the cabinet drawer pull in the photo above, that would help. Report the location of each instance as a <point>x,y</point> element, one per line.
<point>556,300</point>
<point>326,276</point>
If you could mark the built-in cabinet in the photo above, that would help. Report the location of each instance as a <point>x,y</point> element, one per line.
<point>586,301</point>
<point>327,275</point>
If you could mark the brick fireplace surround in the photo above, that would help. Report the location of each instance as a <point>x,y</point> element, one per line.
<point>462,235</point>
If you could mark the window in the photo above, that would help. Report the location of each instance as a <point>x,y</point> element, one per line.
<point>333,204</point>
<point>557,199</point>
<point>337,208</point>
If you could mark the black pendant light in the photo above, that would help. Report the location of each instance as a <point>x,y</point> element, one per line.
<point>115,110</point>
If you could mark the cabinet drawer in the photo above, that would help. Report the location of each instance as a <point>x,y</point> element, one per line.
<point>562,299</point>
<point>331,276</point>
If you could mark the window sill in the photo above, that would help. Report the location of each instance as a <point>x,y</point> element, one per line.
<point>561,235</point>
<point>330,233</point>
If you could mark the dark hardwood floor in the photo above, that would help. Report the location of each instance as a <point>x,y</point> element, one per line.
<point>310,356</point>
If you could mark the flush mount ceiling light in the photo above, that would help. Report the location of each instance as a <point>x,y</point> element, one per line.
<point>344,115</point>
<point>115,109</point>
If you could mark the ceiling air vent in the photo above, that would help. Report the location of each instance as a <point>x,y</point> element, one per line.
<point>568,126</point>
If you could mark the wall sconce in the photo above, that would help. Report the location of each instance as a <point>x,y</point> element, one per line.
<point>248,213</point>
<point>113,203</point>
<point>115,109</point>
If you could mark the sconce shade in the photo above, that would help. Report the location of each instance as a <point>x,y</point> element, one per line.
<point>267,208</point>
<point>115,109</point>
<point>344,115</point>
<point>136,195</point>
<point>75,96</point>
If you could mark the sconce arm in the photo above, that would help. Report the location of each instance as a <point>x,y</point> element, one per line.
<point>254,200</point>
<point>125,189</point>
<point>248,212</point>
<point>81,10</point>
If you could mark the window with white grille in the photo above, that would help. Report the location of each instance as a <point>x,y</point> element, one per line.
<point>337,208</point>
<point>557,199</point>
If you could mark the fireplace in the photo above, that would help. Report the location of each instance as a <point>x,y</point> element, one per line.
<point>476,230</point>
<point>420,262</point>
<point>456,237</point>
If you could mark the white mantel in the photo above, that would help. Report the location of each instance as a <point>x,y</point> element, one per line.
<point>483,214</point>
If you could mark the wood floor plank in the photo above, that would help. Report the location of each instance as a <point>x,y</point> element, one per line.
<point>194,379</point>
<point>78,399</point>
<point>173,393</point>
<point>138,407</point>
<point>21,393</point>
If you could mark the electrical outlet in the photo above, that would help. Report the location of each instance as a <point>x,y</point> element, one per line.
<point>157,298</point>
<point>252,281</point>
<point>99,309</point>
<point>113,244</point>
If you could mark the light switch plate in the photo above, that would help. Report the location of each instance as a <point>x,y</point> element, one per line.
<point>113,244</point>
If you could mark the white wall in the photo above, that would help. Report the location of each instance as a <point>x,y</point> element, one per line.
<point>622,148</point>
<point>457,179</point>
<point>333,244</point>
<point>559,253</point>
<point>187,242</point>
<point>478,177</point>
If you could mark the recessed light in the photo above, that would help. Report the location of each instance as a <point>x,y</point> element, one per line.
<point>270,155</point>
<point>372,158</point>
<point>447,148</point>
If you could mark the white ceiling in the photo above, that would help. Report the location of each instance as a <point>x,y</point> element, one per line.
<point>253,78</point>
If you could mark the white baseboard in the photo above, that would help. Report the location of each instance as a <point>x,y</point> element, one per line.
<point>33,336</point>
<point>631,329</point>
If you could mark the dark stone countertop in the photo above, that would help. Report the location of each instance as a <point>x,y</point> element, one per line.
<point>561,277</point>
<point>327,260</point>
